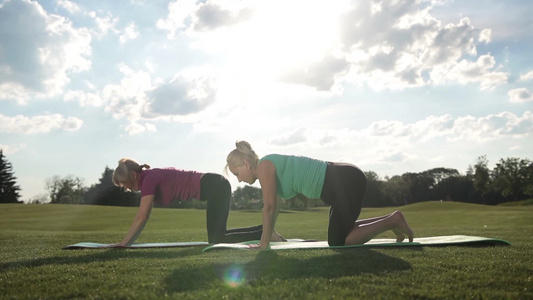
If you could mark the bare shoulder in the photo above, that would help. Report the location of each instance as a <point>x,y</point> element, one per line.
<point>266,168</point>
<point>266,173</point>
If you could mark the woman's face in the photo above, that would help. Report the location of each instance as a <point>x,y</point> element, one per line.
<point>132,184</point>
<point>243,172</point>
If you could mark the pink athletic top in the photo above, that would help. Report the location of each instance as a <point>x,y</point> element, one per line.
<point>170,184</point>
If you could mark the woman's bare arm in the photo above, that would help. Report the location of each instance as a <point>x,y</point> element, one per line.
<point>266,173</point>
<point>139,221</point>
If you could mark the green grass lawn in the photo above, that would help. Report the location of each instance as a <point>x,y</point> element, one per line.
<point>33,265</point>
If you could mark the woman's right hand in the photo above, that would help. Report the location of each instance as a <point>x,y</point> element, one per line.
<point>258,246</point>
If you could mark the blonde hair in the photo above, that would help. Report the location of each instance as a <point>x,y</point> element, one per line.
<point>242,151</point>
<point>122,173</point>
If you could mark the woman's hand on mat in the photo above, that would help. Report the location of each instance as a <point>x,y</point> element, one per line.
<point>258,246</point>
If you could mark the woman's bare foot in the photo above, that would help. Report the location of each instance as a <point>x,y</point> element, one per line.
<point>401,228</point>
<point>276,237</point>
<point>399,236</point>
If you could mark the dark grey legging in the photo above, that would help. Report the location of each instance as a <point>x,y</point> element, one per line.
<point>216,190</point>
<point>344,189</point>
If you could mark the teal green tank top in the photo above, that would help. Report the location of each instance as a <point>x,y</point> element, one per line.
<point>298,175</point>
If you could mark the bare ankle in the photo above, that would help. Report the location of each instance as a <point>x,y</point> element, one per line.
<point>276,237</point>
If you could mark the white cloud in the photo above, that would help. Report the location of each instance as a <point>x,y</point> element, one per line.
<point>386,45</point>
<point>130,33</point>
<point>430,127</point>
<point>40,50</point>
<point>38,124</point>
<point>215,14</point>
<point>394,47</point>
<point>387,145</point>
<point>136,127</point>
<point>520,95</point>
<point>504,124</point>
<point>396,137</point>
<point>12,149</point>
<point>83,98</point>
<point>179,14</point>
<point>465,72</point>
<point>394,157</point>
<point>327,139</point>
<point>321,74</point>
<point>150,65</point>
<point>188,92</point>
<point>69,6</point>
<point>127,99</point>
<point>138,97</point>
<point>291,138</point>
<point>193,15</point>
<point>105,22</point>
<point>387,128</point>
<point>485,35</point>
<point>527,76</point>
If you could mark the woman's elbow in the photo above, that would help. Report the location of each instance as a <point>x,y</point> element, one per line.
<point>141,218</point>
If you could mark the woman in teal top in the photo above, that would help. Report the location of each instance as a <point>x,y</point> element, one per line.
<point>343,186</point>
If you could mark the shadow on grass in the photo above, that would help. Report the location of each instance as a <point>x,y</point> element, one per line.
<point>100,255</point>
<point>269,266</point>
<point>282,211</point>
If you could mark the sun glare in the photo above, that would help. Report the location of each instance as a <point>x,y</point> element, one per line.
<point>279,37</point>
<point>234,276</point>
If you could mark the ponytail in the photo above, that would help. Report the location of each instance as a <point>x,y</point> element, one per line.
<point>123,171</point>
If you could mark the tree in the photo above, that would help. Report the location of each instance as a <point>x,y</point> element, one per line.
<point>9,190</point>
<point>528,189</point>
<point>456,188</point>
<point>482,179</point>
<point>300,202</point>
<point>443,183</point>
<point>440,174</point>
<point>396,189</point>
<point>39,199</point>
<point>68,190</point>
<point>375,192</point>
<point>418,187</point>
<point>247,197</point>
<point>105,192</point>
<point>512,177</point>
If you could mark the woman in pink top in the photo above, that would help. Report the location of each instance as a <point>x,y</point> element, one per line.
<point>165,185</point>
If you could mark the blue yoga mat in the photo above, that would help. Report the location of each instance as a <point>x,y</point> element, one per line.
<point>417,242</point>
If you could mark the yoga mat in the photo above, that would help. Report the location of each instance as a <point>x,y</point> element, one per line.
<point>89,245</point>
<point>417,242</point>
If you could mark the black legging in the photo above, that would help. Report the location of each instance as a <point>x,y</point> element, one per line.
<point>216,190</point>
<point>344,189</point>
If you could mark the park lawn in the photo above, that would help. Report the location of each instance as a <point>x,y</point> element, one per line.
<point>33,265</point>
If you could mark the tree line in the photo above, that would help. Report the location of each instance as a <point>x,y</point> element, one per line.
<point>510,180</point>
<point>9,190</point>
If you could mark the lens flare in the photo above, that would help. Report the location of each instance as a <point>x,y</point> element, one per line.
<point>234,276</point>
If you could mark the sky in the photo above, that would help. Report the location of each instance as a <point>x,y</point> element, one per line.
<point>390,86</point>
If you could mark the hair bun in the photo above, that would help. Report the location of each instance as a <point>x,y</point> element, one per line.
<point>244,147</point>
<point>243,151</point>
